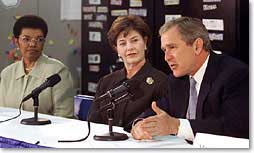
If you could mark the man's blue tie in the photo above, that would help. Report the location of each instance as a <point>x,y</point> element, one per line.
<point>191,113</point>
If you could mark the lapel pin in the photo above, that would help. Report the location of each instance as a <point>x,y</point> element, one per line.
<point>149,80</point>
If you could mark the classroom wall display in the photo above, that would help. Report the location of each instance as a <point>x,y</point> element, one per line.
<point>227,22</point>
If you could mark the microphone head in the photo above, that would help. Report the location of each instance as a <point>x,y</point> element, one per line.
<point>53,80</point>
<point>119,89</point>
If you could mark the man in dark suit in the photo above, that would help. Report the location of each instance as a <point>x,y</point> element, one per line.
<point>208,92</point>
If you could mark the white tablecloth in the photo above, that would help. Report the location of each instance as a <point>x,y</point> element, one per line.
<point>71,129</point>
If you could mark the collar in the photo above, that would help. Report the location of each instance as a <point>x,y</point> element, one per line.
<point>142,70</point>
<point>198,76</point>
<point>36,70</point>
<point>20,69</point>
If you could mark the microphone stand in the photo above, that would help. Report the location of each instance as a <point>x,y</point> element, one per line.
<point>35,120</point>
<point>111,136</point>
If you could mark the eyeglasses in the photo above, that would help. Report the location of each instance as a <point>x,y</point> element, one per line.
<point>27,40</point>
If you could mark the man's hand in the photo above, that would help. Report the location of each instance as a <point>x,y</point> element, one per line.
<point>157,125</point>
<point>160,124</point>
<point>139,133</point>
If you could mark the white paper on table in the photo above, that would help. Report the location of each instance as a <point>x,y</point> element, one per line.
<point>204,140</point>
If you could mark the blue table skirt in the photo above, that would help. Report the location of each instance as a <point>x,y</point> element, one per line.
<point>12,143</point>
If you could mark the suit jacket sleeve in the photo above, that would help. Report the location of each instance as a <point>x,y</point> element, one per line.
<point>160,98</point>
<point>63,95</point>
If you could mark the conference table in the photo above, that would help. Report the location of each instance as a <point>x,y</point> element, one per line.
<point>39,136</point>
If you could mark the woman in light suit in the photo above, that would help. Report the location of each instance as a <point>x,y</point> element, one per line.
<point>20,78</point>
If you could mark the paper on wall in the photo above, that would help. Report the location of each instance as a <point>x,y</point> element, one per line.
<point>92,87</point>
<point>172,17</point>
<point>94,2</point>
<point>94,36</point>
<point>216,36</point>
<point>87,16</point>
<point>138,12</point>
<point>89,9</point>
<point>94,58</point>
<point>70,10</point>
<point>115,2</point>
<point>101,17</point>
<point>102,9</point>
<point>94,68</point>
<point>135,3</point>
<point>217,51</point>
<point>119,12</point>
<point>95,24</point>
<point>209,7</point>
<point>171,2</point>
<point>213,24</point>
<point>207,1</point>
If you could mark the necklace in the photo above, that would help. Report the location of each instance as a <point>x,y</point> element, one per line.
<point>28,69</point>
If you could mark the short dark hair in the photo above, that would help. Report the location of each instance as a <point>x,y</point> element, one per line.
<point>190,29</point>
<point>127,23</point>
<point>30,21</point>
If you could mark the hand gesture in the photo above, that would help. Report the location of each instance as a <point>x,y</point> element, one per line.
<point>157,125</point>
<point>160,124</point>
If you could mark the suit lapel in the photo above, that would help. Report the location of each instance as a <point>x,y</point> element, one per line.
<point>181,98</point>
<point>204,90</point>
<point>206,84</point>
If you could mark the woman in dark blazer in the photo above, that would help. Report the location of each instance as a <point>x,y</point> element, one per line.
<point>129,36</point>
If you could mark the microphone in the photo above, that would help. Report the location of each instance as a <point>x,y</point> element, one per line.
<point>115,91</point>
<point>50,82</point>
<point>113,94</point>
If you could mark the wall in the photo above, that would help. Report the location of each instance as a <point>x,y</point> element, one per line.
<point>63,40</point>
<point>227,34</point>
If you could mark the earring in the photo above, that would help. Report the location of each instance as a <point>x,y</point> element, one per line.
<point>120,59</point>
<point>145,48</point>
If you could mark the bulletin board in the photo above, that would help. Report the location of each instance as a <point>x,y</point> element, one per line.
<point>227,22</point>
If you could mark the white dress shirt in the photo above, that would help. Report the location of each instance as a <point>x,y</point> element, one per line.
<point>185,129</point>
